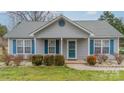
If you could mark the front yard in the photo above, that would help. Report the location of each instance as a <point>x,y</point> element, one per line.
<point>56,73</point>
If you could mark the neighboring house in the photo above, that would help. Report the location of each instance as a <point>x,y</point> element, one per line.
<point>73,39</point>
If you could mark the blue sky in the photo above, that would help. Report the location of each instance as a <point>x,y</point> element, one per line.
<point>74,15</point>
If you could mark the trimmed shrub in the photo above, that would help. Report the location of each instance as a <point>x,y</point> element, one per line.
<point>37,60</point>
<point>7,59</point>
<point>18,59</point>
<point>118,58</point>
<point>91,60</point>
<point>48,60</point>
<point>59,60</point>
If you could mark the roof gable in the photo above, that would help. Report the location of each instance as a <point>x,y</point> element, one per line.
<point>58,18</point>
<point>56,31</point>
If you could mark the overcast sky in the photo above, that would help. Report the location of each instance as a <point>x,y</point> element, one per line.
<point>74,15</point>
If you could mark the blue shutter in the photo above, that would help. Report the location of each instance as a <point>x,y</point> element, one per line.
<point>14,46</point>
<point>57,46</point>
<point>112,46</point>
<point>33,47</point>
<point>91,46</point>
<point>46,47</point>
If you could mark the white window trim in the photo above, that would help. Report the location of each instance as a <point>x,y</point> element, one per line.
<point>23,46</point>
<point>75,48</point>
<point>49,46</point>
<point>102,46</point>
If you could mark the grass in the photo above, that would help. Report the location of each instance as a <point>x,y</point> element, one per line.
<point>56,73</point>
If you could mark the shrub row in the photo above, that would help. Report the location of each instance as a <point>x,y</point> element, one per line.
<point>91,60</point>
<point>48,60</point>
<point>16,59</point>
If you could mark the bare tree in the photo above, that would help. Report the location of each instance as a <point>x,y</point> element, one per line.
<point>31,15</point>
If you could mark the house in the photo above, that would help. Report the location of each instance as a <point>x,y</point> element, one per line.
<point>73,39</point>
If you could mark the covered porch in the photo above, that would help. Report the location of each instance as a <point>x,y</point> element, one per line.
<point>71,48</point>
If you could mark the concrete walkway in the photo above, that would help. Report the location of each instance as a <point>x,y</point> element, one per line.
<point>86,67</point>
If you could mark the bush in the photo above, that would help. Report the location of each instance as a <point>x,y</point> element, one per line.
<point>18,59</point>
<point>101,58</point>
<point>59,60</point>
<point>37,60</point>
<point>49,60</point>
<point>91,60</point>
<point>7,59</point>
<point>118,58</point>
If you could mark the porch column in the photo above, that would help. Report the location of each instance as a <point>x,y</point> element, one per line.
<point>61,46</point>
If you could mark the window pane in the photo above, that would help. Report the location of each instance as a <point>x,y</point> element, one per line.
<point>72,45</point>
<point>97,50</point>
<point>105,50</point>
<point>52,42</point>
<point>105,43</point>
<point>51,49</point>
<point>27,43</point>
<point>19,43</point>
<point>52,46</point>
<point>27,49</point>
<point>19,46</point>
<point>27,46</point>
<point>97,43</point>
<point>19,49</point>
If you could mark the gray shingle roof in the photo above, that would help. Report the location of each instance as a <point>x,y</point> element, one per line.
<point>99,28</point>
<point>23,29</point>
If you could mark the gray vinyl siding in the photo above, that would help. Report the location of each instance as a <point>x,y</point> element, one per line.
<point>10,46</point>
<point>39,46</point>
<point>116,41</point>
<point>82,48</point>
<point>68,31</point>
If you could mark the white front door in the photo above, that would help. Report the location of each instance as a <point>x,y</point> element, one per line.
<point>72,49</point>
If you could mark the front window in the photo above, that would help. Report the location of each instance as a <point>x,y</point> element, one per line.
<point>101,46</point>
<point>105,48</point>
<point>24,46</point>
<point>97,46</point>
<point>51,46</point>
<point>27,46</point>
<point>20,46</point>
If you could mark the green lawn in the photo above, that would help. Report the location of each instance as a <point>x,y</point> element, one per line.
<point>56,73</point>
